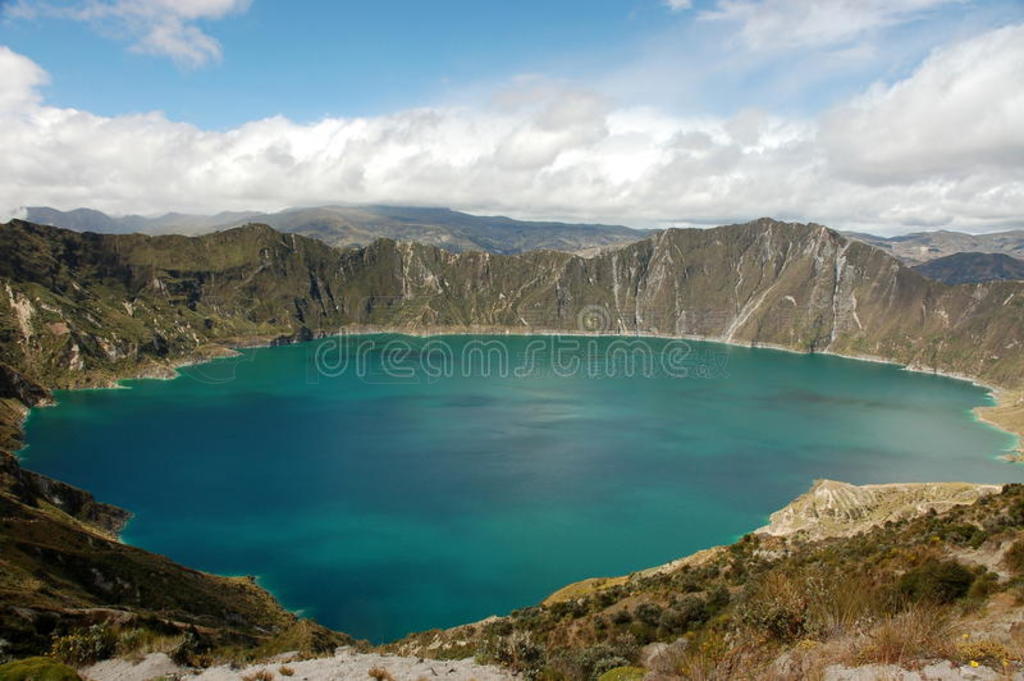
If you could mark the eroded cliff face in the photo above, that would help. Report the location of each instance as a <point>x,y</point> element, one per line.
<point>47,494</point>
<point>83,308</point>
<point>839,509</point>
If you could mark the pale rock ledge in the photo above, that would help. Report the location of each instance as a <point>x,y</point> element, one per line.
<point>837,509</point>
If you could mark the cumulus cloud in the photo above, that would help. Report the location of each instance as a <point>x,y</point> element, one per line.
<point>678,5</point>
<point>22,78</point>
<point>943,147</point>
<point>783,24</point>
<point>159,27</point>
<point>960,114</point>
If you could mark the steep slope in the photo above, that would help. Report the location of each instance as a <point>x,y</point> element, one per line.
<point>80,308</point>
<point>361,225</point>
<point>973,268</point>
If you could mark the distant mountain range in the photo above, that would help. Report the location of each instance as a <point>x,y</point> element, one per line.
<point>972,268</point>
<point>361,225</point>
<point>356,226</point>
<point>921,247</point>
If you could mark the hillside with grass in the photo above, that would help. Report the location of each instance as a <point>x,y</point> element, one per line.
<point>922,588</point>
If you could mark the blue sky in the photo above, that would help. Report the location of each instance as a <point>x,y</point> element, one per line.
<point>312,59</point>
<point>569,109</point>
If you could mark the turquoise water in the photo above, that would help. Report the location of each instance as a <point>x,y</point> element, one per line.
<point>384,496</point>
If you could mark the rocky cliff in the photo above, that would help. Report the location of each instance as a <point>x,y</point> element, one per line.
<point>82,308</point>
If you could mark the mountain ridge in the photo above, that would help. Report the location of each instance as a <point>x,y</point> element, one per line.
<point>345,225</point>
<point>972,268</point>
<point>921,247</point>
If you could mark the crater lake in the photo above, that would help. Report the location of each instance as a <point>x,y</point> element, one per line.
<point>387,484</point>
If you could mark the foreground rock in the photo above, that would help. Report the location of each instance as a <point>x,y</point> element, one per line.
<point>346,665</point>
<point>938,671</point>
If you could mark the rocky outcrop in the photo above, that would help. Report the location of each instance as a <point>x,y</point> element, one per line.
<point>838,509</point>
<point>40,491</point>
<point>15,385</point>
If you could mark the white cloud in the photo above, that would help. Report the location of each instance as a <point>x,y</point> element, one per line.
<point>21,80</point>
<point>159,27</point>
<point>678,5</point>
<point>784,24</point>
<point>941,148</point>
<point>960,114</point>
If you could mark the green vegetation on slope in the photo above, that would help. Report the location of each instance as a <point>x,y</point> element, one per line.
<point>37,669</point>
<point>969,268</point>
<point>935,586</point>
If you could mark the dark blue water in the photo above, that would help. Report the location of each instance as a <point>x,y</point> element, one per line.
<point>383,494</point>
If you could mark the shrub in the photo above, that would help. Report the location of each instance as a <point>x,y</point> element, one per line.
<point>286,671</point>
<point>718,598</point>
<point>86,646</point>
<point>587,664</point>
<point>918,633</point>
<point>622,617</point>
<point>648,613</point>
<point>190,649</point>
<point>516,651</point>
<point>37,669</point>
<point>693,610</point>
<point>964,535</point>
<point>625,673</point>
<point>777,607</point>
<point>1014,557</point>
<point>984,584</point>
<point>982,650</point>
<point>643,633</point>
<point>608,665</point>
<point>936,581</point>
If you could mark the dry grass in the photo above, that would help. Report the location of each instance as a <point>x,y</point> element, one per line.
<point>714,658</point>
<point>380,674</point>
<point>136,644</point>
<point>921,632</point>
<point>286,671</point>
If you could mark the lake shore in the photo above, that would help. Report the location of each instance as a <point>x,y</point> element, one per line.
<point>1007,414</point>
